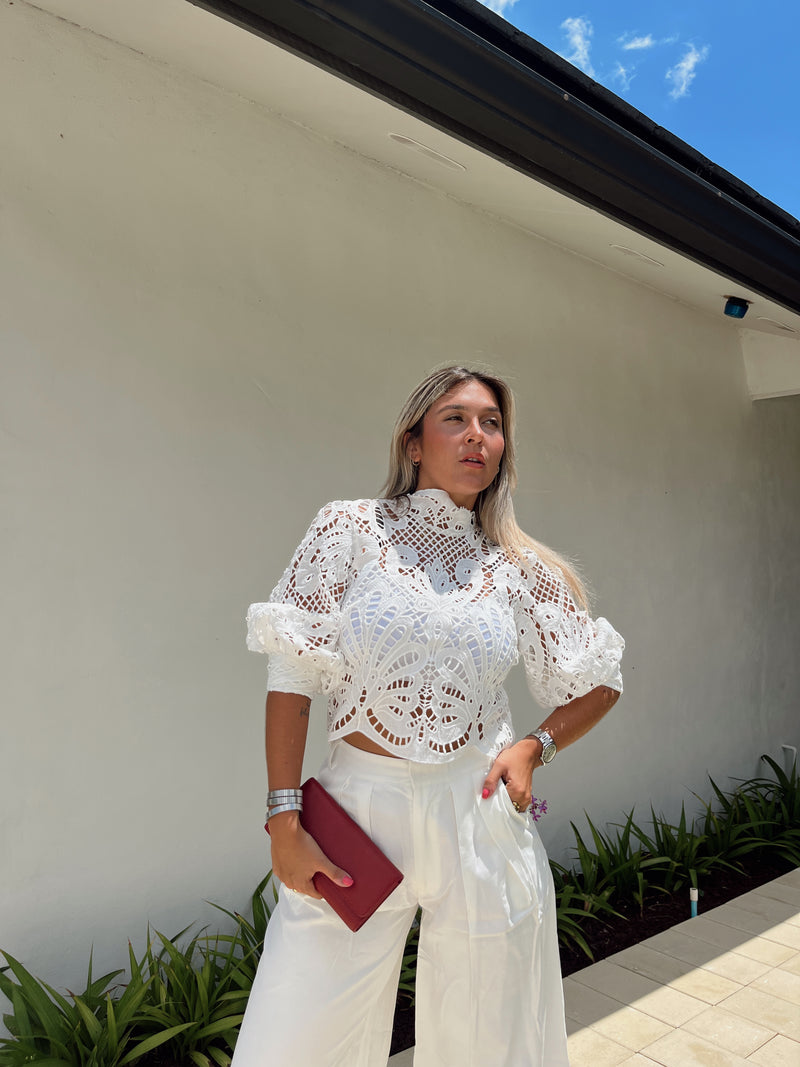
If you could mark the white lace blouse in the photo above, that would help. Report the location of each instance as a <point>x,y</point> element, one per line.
<point>409,618</point>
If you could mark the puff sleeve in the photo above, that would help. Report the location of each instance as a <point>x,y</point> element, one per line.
<point>299,624</point>
<point>565,652</point>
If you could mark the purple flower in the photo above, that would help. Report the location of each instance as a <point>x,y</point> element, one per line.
<point>538,808</point>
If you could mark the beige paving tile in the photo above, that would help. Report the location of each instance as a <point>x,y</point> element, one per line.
<point>777,890</point>
<point>729,1031</point>
<point>705,985</point>
<point>785,933</point>
<point>639,1061</point>
<point>668,1005</point>
<point>777,911</point>
<point>590,1049</point>
<point>678,942</point>
<point>627,1026</point>
<point>631,1028</point>
<point>731,965</point>
<point>779,1052</point>
<point>771,952</point>
<point>696,981</point>
<point>792,964</point>
<point>573,1026</point>
<point>729,939</point>
<point>652,963</point>
<point>790,878</point>
<point>720,935</point>
<point>586,1004</point>
<point>682,1049</point>
<point>743,918</point>
<point>766,1010</point>
<point>781,984</point>
<point>736,967</point>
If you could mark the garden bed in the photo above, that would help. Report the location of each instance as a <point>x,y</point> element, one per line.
<point>182,1002</point>
<point>610,934</point>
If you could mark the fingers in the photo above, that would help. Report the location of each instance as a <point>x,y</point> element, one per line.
<point>492,778</point>
<point>336,875</point>
<point>297,866</point>
<point>521,801</point>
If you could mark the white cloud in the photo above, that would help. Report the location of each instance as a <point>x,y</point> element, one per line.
<point>683,73</point>
<point>579,32</point>
<point>498,6</point>
<point>636,43</point>
<point>624,76</point>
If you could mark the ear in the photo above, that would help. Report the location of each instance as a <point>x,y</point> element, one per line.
<point>410,446</point>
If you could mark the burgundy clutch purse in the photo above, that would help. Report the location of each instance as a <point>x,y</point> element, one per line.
<point>345,843</point>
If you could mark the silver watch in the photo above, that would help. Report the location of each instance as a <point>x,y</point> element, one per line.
<point>549,748</point>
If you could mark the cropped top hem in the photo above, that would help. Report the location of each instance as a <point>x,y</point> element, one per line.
<point>409,618</point>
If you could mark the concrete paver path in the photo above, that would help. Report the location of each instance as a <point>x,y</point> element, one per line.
<point>721,990</point>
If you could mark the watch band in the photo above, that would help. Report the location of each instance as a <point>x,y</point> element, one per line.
<point>549,748</point>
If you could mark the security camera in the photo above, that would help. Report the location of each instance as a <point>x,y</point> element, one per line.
<point>736,306</point>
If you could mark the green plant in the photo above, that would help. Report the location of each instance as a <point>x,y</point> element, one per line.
<point>570,919</point>
<point>679,854</point>
<point>249,934</point>
<point>760,815</point>
<point>407,987</point>
<point>629,871</point>
<point>89,1029</point>
<point>203,987</point>
<point>199,993</point>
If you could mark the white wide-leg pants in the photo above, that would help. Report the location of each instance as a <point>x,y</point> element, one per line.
<point>488,979</point>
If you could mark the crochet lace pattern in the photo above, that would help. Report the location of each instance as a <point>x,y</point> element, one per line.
<point>410,618</point>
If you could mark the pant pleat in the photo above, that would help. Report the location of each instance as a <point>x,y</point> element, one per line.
<point>488,978</point>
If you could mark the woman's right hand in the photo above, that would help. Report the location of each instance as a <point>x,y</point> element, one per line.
<point>296,856</point>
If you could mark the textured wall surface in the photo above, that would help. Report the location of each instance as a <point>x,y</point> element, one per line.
<point>208,319</point>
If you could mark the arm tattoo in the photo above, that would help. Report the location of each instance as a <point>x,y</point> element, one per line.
<point>304,709</point>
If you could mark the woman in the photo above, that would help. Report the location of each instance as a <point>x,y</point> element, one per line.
<point>408,612</point>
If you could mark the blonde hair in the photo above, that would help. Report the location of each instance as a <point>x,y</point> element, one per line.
<point>494,509</point>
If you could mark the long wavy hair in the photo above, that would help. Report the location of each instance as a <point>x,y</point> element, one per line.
<point>494,509</point>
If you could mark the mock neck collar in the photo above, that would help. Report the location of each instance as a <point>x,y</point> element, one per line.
<point>437,506</point>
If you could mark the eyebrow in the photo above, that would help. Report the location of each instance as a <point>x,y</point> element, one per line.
<point>462,407</point>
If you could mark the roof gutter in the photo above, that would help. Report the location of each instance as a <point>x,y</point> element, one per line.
<point>456,65</point>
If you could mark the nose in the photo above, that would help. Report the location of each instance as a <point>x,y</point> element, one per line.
<point>474,431</point>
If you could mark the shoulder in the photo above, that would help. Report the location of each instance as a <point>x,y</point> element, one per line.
<point>542,582</point>
<point>348,517</point>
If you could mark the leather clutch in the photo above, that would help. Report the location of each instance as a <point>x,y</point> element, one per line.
<point>349,847</point>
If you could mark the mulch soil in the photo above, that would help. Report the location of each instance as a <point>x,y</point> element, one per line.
<point>605,937</point>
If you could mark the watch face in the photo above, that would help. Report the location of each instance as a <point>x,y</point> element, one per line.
<point>548,752</point>
<point>548,746</point>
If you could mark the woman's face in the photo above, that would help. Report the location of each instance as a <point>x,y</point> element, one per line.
<point>461,444</point>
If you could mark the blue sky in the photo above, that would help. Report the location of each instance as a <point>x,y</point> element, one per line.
<point>721,76</point>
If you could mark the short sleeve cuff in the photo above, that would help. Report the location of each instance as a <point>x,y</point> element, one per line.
<point>288,674</point>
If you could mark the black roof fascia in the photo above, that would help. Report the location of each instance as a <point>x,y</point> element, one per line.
<point>456,65</point>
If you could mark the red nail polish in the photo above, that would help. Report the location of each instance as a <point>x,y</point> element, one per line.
<point>347,881</point>
<point>485,793</point>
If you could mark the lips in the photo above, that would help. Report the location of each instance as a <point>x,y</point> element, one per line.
<point>474,460</point>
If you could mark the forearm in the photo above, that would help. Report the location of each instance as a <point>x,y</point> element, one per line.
<point>286,730</point>
<point>571,721</point>
<point>565,725</point>
<point>296,857</point>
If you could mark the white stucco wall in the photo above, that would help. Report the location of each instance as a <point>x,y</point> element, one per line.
<point>208,319</point>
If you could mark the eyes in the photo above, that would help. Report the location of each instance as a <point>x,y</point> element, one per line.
<point>490,421</point>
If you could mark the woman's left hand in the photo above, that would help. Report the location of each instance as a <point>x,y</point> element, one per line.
<point>515,766</point>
